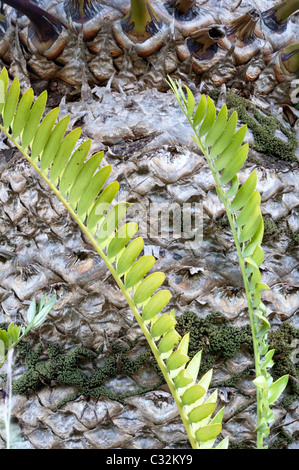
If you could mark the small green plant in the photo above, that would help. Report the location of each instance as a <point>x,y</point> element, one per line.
<point>78,184</point>
<point>221,144</point>
<point>8,341</point>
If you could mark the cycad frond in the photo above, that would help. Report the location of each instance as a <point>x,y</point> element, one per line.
<point>78,182</point>
<point>225,153</point>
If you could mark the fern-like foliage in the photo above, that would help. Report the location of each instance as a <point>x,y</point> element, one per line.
<point>77,180</point>
<point>223,147</point>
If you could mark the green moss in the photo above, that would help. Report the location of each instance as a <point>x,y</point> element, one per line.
<point>214,336</point>
<point>263,126</point>
<point>285,341</point>
<point>282,440</point>
<point>272,229</point>
<point>67,369</point>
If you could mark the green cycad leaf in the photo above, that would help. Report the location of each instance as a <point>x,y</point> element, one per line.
<point>33,119</point>
<point>148,287</point>
<point>22,113</point>
<point>11,103</point>
<point>248,209</point>
<point>63,154</point>
<point>206,433</point>
<point>74,166</point>
<point>200,111</point>
<point>157,302</point>
<point>121,238</point>
<point>43,133</point>
<point>101,206</point>
<point>225,138</point>
<point>231,149</point>
<point>89,195</point>
<point>247,229</point>
<point>234,165</point>
<point>110,223</point>
<point>209,118</point>
<point>201,412</point>
<point>162,325</point>
<point>84,178</point>
<point>244,193</point>
<point>53,144</point>
<point>192,394</point>
<point>217,128</point>
<point>130,254</point>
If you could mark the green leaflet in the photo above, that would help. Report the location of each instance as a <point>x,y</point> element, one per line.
<point>22,113</point>
<point>129,255</point>
<point>121,238</point>
<point>176,360</point>
<point>90,193</point>
<point>233,188</point>
<point>168,341</point>
<point>201,412</point>
<point>157,302</point>
<point>192,394</point>
<point>225,157</point>
<point>63,154</point>
<point>182,380</point>
<point>110,223</point>
<point>101,206</point>
<point>217,128</point>
<point>206,433</point>
<point>53,143</point>
<point>191,102</point>
<point>225,138</point>
<point>83,179</point>
<point>276,389</point>
<point>148,287</point>
<point>3,87</point>
<point>200,111</point>
<point>248,209</point>
<point>73,167</point>
<point>79,183</point>
<point>234,165</point>
<point>244,193</point>
<point>252,225</point>
<point>11,103</point>
<point>42,134</point>
<point>209,118</point>
<point>194,365</point>
<point>162,325</point>
<point>33,119</point>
